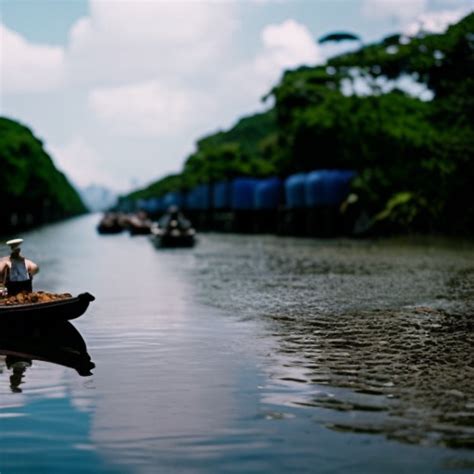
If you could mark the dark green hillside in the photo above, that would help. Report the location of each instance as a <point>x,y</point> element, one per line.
<point>236,152</point>
<point>33,190</point>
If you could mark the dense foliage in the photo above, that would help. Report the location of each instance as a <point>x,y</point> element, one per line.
<point>33,191</point>
<point>414,157</point>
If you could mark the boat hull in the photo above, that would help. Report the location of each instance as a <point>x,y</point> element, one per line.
<point>169,241</point>
<point>139,230</point>
<point>109,229</point>
<point>53,311</point>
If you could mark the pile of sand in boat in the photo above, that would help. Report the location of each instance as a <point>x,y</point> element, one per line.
<point>33,297</point>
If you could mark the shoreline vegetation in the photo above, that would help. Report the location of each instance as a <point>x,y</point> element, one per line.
<point>33,191</point>
<point>413,155</point>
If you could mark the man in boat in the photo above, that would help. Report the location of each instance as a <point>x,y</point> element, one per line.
<point>174,219</point>
<point>16,271</point>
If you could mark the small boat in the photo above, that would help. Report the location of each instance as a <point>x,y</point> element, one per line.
<point>109,228</point>
<point>173,230</point>
<point>60,343</point>
<point>139,228</point>
<point>173,236</point>
<point>139,223</point>
<point>51,311</point>
<point>110,224</point>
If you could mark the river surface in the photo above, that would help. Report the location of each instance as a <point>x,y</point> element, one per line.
<point>248,354</point>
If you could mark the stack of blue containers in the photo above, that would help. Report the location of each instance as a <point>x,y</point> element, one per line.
<point>198,199</point>
<point>295,191</point>
<point>173,199</point>
<point>221,195</point>
<point>243,194</point>
<point>312,197</point>
<point>327,187</point>
<point>268,194</point>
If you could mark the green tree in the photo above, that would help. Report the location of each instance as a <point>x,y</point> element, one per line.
<point>33,191</point>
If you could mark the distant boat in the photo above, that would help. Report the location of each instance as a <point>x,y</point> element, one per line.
<point>110,224</point>
<point>139,224</point>
<point>173,238</point>
<point>173,230</point>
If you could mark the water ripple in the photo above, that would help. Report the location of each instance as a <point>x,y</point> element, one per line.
<point>383,332</point>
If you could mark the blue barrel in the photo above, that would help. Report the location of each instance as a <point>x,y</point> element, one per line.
<point>327,187</point>
<point>268,193</point>
<point>203,192</point>
<point>160,204</point>
<point>190,200</point>
<point>141,204</point>
<point>243,193</point>
<point>295,191</point>
<point>151,205</point>
<point>337,186</point>
<point>173,199</point>
<point>198,199</point>
<point>315,188</point>
<point>146,205</point>
<point>221,195</point>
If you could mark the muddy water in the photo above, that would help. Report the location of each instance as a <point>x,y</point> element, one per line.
<point>246,354</point>
<point>380,333</point>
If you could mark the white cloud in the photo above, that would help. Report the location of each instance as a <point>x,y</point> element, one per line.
<point>397,10</point>
<point>214,96</point>
<point>435,22</point>
<point>27,67</point>
<point>83,164</point>
<point>148,108</point>
<point>165,72</point>
<point>283,46</point>
<point>286,46</point>
<point>126,42</point>
<point>415,15</point>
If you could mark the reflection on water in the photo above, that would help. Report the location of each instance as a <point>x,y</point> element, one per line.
<point>237,355</point>
<point>18,366</point>
<point>60,343</point>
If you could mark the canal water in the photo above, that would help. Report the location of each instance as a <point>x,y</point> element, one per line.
<point>249,354</point>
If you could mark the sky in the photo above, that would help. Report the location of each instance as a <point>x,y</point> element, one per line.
<point>120,90</point>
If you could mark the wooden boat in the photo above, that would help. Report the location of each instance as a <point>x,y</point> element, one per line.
<point>109,228</point>
<point>142,228</point>
<point>59,343</point>
<point>168,240</point>
<point>173,230</point>
<point>51,311</point>
<point>138,226</point>
<point>110,224</point>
